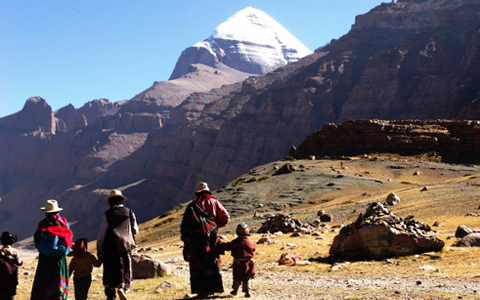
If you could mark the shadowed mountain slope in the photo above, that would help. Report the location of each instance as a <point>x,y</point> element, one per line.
<point>405,60</point>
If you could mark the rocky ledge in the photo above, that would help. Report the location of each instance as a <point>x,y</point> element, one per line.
<point>451,141</point>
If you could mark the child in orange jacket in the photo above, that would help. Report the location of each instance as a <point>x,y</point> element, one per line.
<point>82,266</point>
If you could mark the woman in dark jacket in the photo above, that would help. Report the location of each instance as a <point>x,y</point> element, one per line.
<point>115,243</point>
<point>199,227</point>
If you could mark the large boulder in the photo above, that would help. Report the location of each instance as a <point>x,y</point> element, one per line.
<point>378,234</point>
<point>144,266</point>
<point>470,240</point>
<point>462,231</point>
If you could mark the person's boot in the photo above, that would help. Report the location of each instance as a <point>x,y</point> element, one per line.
<point>122,293</point>
<point>246,289</point>
<point>235,287</point>
<point>110,293</point>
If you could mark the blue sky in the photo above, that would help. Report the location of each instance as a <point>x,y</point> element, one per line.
<point>74,51</point>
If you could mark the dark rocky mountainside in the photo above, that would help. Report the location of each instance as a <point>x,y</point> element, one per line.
<point>446,140</point>
<point>407,60</point>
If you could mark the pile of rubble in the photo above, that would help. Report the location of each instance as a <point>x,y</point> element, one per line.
<point>376,214</point>
<point>379,234</point>
<point>280,222</point>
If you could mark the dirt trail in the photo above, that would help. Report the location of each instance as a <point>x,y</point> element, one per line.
<point>289,283</point>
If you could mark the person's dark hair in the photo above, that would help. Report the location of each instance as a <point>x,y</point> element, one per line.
<point>8,238</point>
<point>115,201</point>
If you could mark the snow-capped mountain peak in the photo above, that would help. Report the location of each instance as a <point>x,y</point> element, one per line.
<point>249,41</point>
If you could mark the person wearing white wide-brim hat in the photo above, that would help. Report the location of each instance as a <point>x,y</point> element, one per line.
<point>51,207</point>
<point>200,241</point>
<point>52,258</point>
<point>115,241</point>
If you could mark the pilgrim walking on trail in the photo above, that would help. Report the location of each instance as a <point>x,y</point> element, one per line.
<point>81,266</point>
<point>9,262</point>
<point>115,243</point>
<point>199,229</point>
<point>53,240</point>
<point>243,251</point>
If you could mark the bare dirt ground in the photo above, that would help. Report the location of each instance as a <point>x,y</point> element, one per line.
<point>432,192</point>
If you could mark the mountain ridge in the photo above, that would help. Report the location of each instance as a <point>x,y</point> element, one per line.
<point>371,72</point>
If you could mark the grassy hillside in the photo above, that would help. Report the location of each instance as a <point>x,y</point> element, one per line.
<point>342,188</point>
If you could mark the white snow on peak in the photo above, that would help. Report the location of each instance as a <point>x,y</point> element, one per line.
<point>254,26</point>
<point>253,42</point>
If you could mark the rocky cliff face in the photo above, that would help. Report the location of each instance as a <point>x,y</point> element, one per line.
<point>422,71</point>
<point>36,115</point>
<point>451,141</point>
<point>397,62</point>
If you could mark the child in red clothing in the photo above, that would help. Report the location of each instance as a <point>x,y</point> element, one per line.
<point>81,266</point>
<point>243,250</point>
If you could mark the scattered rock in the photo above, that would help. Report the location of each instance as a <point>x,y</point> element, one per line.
<point>326,218</point>
<point>144,266</point>
<point>428,268</point>
<point>392,199</point>
<point>437,224</point>
<point>285,169</point>
<point>292,150</point>
<point>462,231</point>
<point>264,240</point>
<point>167,285</point>
<point>425,188</point>
<point>339,266</point>
<point>323,216</point>
<point>280,222</point>
<point>470,240</point>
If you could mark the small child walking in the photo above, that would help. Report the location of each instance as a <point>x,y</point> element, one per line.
<point>82,266</point>
<point>9,262</point>
<point>243,251</point>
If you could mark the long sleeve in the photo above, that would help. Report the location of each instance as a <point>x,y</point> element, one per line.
<point>185,227</point>
<point>135,228</point>
<point>101,234</point>
<point>71,266</point>
<point>222,215</point>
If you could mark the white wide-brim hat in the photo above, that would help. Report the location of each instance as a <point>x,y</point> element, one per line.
<point>116,193</point>
<point>202,187</point>
<point>51,206</point>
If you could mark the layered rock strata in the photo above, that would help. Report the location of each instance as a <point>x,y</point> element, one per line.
<point>452,141</point>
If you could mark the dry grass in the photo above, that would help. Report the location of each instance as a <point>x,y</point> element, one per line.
<point>452,193</point>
